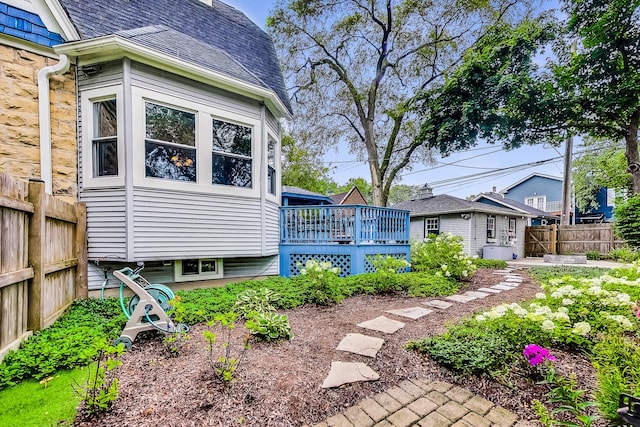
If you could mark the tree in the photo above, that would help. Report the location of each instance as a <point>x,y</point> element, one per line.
<point>605,73</point>
<point>302,167</point>
<point>357,66</point>
<point>627,224</point>
<point>601,164</point>
<point>592,87</point>
<point>403,193</point>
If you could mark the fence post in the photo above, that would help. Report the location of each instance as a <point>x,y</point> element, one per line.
<point>81,286</point>
<point>37,197</point>
<point>554,239</point>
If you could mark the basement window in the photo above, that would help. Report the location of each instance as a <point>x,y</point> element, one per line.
<point>187,270</point>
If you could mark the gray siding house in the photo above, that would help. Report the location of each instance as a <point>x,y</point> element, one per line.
<point>179,105</point>
<point>487,231</point>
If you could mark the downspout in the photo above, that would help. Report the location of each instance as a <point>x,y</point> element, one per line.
<point>44,114</point>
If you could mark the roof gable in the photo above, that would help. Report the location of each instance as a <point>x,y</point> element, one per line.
<point>218,26</point>
<point>343,198</point>
<point>529,177</point>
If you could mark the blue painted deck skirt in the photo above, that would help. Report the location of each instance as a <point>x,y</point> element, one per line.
<point>345,235</point>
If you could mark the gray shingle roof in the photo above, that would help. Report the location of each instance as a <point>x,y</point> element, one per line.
<point>444,204</point>
<point>171,42</point>
<point>514,204</point>
<point>297,190</point>
<point>219,26</point>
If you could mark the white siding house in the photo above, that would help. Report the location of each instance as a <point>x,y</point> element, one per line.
<point>487,231</point>
<point>179,132</point>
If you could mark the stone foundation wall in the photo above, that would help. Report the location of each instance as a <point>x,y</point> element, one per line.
<point>19,121</point>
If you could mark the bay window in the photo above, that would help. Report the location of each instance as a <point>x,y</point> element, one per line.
<point>102,149</point>
<point>105,138</point>
<point>232,154</point>
<point>170,143</point>
<point>271,167</point>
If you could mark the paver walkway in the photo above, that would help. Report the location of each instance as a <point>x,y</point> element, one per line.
<point>416,402</point>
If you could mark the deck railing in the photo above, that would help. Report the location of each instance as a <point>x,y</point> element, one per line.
<point>343,224</point>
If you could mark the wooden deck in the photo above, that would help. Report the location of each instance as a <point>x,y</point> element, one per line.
<point>345,235</point>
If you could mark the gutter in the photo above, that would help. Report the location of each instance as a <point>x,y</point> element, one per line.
<point>44,114</point>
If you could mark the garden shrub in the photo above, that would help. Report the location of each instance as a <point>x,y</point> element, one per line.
<point>490,263</point>
<point>73,340</point>
<point>444,255</point>
<point>262,321</point>
<point>269,326</point>
<point>617,363</point>
<point>366,283</point>
<point>544,274</point>
<point>593,255</point>
<point>465,349</point>
<point>388,270</point>
<point>624,254</point>
<point>575,313</point>
<point>627,225</point>
<point>321,282</point>
<point>253,301</point>
<point>429,285</point>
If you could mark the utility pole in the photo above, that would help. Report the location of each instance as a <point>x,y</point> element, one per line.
<point>565,217</point>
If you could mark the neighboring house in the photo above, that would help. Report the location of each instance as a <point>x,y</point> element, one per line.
<point>606,201</point>
<point>177,106</point>
<point>296,196</point>
<point>490,231</point>
<point>544,192</point>
<point>351,197</point>
<point>538,216</point>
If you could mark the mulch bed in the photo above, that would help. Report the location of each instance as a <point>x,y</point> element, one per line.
<point>278,384</point>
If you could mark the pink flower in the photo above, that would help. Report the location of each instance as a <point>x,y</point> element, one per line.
<point>536,354</point>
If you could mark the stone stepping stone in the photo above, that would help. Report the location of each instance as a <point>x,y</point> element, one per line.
<point>363,345</point>
<point>493,291</point>
<point>513,276</point>
<point>442,305</point>
<point>461,298</point>
<point>382,324</point>
<point>476,294</point>
<point>513,280</point>
<point>348,372</point>
<point>503,272</point>
<point>512,284</point>
<point>412,313</point>
<point>503,287</point>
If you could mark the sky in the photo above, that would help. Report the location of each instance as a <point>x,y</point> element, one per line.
<point>461,174</point>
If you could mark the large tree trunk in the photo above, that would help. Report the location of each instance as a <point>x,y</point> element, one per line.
<point>631,152</point>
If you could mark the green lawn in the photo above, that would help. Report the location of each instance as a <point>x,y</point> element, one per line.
<point>32,404</point>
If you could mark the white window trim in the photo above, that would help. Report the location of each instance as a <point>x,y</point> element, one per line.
<point>179,277</point>
<point>204,146</point>
<point>495,226</point>
<point>273,196</point>
<point>534,202</point>
<point>87,100</point>
<point>426,231</point>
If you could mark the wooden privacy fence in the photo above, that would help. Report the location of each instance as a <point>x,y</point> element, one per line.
<point>43,258</point>
<point>570,239</point>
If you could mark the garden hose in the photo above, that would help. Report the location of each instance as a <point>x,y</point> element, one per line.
<point>180,327</point>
